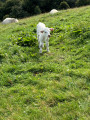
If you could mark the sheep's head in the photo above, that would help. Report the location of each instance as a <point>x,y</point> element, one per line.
<point>46,31</point>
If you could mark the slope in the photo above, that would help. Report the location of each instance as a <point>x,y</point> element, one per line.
<point>47,86</point>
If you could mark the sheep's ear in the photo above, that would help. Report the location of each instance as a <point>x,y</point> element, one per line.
<point>51,29</point>
<point>42,31</point>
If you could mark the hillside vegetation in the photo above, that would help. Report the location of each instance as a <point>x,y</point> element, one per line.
<point>27,8</point>
<point>47,86</point>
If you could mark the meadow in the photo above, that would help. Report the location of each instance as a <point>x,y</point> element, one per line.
<point>47,86</point>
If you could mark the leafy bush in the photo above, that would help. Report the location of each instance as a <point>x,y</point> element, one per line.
<point>31,7</point>
<point>18,12</point>
<point>82,2</point>
<point>6,16</point>
<point>9,4</point>
<point>25,39</point>
<point>37,10</point>
<point>64,5</point>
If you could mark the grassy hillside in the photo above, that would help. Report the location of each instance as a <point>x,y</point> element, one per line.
<point>47,86</point>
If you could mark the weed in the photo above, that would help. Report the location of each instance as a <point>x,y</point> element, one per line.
<point>25,39</point>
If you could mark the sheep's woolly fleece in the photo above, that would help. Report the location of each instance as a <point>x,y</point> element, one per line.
<point>9,20</point>
<point>53,11</point>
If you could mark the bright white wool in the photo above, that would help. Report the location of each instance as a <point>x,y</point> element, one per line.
<point>43,35</point>
<point>53,11</point>
<point>9,20</point>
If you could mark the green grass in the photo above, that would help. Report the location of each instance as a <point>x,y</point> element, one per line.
<point>47,86</point>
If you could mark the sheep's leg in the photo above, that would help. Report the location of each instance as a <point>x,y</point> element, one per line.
<point>40,46</point>
<point>40,51</point>
<point>39,41</point>
<point>43,45</point>
<point>47,45</point>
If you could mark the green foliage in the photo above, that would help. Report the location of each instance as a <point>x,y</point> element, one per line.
<point>64,5</point>
<point>1,11</point>
<point>18,12</point>
<point>82,2</point>
<point>80,32</point>
<point>25,8</point>
<point>9,4</point>
<point>25,39</point>
<point>37,10</point>
<point>6,16</point>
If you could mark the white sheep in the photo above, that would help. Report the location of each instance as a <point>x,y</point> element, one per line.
<point>9,20</point>
<point>43,35</point>
<point>53,11</point>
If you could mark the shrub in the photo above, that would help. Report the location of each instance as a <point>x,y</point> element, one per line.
<point>82,2</point>
<point>18,12</point>
<point>25,39</point>
<point>6,16</point>
<point>9,4</point>
<point>37,10</point>
<point>64,5</point>
<point>1,12</point>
